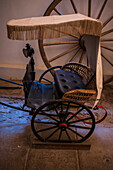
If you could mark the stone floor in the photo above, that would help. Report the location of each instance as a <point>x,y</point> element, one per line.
<point>16,139</point>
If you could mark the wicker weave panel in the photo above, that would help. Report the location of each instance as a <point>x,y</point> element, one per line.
<point>81,95</point>
<point>84,72</point>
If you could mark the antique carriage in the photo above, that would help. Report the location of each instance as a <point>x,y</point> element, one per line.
<point>60,106</point>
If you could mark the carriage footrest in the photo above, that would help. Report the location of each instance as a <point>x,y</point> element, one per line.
<point>39,94</point>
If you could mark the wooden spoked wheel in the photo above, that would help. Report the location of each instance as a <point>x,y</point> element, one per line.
<point>71,48</point>
<point>62,121</point>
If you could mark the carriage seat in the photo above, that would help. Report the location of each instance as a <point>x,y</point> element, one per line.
<point>66,81</point>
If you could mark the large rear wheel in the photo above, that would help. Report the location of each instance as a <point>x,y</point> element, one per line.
<point>71,48</point>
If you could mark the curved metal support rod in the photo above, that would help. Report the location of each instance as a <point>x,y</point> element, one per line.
<point>9,81</point>
<point>101,10</point>
<point>17,108</point>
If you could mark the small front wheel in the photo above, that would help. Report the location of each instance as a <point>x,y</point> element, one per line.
<point>63,121</point>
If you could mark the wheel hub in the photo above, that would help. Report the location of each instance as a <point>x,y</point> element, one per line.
<point>81,42</point>
<point>63,126</point>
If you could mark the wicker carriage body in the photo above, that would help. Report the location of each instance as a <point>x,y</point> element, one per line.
<point>88,78</point>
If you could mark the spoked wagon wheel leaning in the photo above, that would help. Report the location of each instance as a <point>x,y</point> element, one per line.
<point>71,48</point>
<point>63,121</point>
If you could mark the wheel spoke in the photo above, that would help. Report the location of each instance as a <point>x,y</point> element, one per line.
<point>60,43</point>
<point>106,39</point>
<point>102,8</point>
<point>52,72</point>
<point>107,21</point>
<point>55,110</point>
<point>107,48</point>
<point>87,60</point>
<point>49,115</point>
<point>57,11</point>
<point>107,59</point>
<point>73,5</point>
<point>80,120</point>
<point>68,136</point>
<point>62,54</point>
<point>47,80</point>
<point>77,52</point>
<point>82,56</point>
<point>42,130</point>
<point>52,134</point>
<point>106,32</point>
<point>81,127</point>
<point>67,33</point>
<point>67,113</point>
<point>45,122</point>
<point>75,132</point>
<point>60,135</point>
<point>61,108</point>
<point>75,114</point>
<point>89,8</point>
<point>109,80</point>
